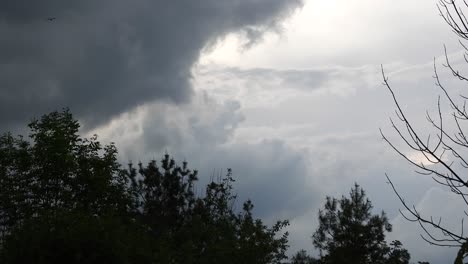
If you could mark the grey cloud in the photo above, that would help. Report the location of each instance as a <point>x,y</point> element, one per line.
<point>268,78</point>
<point>101,58</point>
<point>268,87</point>
<point>288,156</point>
<point>203,124</point>
<point>336,117</point>
<point>270,172</point>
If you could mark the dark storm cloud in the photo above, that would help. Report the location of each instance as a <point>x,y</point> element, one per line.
<point>102,58</point>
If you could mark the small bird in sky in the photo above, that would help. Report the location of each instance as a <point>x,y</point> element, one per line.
<point>51,19</point>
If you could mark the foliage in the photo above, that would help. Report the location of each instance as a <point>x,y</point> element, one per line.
<point>66,199</point>
<point>349,233</point>
<point>57,172</point>
<point>77,238</point>
<point>301,257</point>
<point>397,254</point>
<point>60,189</point>
<point>201,229</point>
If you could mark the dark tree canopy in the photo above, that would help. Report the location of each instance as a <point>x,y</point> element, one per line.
<point>58,192</point>
<point>348,232</point>
<point>66,199</point>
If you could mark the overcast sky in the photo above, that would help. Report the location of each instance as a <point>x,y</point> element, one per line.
<point>287,93</point>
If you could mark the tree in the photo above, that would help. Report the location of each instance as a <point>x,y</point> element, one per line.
<point>58,193</point>
<point>190,229</point>
<point>77,238</point>
<point>349,233</point>
<point>63,198</point>
<point>397,254</point>
<point>443,148</point>
<point>301,257</point>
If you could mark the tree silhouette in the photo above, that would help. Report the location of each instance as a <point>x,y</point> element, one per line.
<point>349,233</point>
<point>301,257</point>
<point>190,229</point>
<point>63,198</point>
<point>397,254</point>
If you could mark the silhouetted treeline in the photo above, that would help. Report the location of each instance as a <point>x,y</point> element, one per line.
<point>66,199</point>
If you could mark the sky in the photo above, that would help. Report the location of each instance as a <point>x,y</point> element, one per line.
<point>287,93</point>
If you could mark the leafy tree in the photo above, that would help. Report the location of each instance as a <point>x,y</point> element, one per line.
<point>190,229</point>
<point>397,254</point>
<point>301,257</point>
<point>257,242</point>
<point>55,171</point>
<point>62,197</point>
<point>162,196</point>
<point>349,233</point>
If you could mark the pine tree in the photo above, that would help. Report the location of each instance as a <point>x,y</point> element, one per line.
<point>349,233</point>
